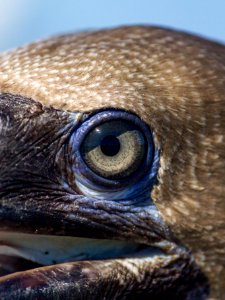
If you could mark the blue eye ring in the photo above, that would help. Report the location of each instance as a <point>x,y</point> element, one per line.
<point>84,173</point>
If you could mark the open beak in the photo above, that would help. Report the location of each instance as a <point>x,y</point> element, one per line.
<point>51,267</point>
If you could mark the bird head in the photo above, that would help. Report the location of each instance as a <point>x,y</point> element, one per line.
<point>113,166</point>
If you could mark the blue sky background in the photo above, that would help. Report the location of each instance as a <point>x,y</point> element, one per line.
<point>22,21</point>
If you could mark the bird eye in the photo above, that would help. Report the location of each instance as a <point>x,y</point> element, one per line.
<point>115,149</point>
<point>111,149</point>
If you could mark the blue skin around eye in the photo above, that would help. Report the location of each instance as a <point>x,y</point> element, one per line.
<point>135,190</point>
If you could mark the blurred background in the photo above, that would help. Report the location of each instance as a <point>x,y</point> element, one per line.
<point>23,21</point>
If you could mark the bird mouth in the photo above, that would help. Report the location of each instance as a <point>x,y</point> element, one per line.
<point>83,267</point>
<point>45,250</point>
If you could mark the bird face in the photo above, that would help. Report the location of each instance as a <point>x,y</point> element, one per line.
<point>112,166</point>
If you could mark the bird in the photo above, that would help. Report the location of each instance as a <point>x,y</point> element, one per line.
<point>113,166</point>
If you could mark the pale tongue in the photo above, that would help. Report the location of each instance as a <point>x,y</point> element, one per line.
<point>48,250</point>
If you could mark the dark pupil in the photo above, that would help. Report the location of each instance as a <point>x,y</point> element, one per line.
<point>110,145</point>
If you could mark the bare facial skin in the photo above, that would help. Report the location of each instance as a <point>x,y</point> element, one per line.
<point>145,232</point>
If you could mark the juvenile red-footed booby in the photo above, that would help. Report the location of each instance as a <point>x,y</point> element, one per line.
<point>113,167</point>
